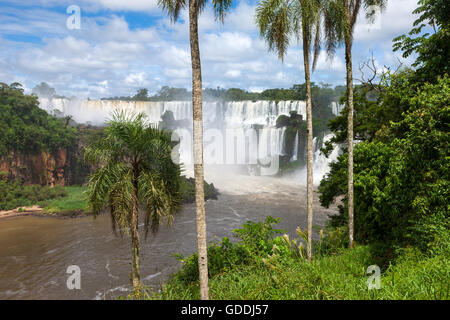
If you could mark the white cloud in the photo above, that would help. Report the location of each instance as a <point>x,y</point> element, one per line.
<point>136,79</point>
<point>226,46</point>
<point>233,73</point>
<point>108,58</point>
<point>395,20</point>
<point>325,63</point>
<point>133,5</point>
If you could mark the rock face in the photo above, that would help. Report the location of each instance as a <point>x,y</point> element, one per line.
<point>44,168</point>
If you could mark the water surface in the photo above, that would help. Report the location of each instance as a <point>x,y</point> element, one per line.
<point>35,252</point>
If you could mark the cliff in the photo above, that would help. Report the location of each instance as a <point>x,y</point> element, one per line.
<point>43,168</point>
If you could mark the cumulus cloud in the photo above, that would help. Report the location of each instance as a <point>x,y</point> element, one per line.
<point>109,56</point>
<point>135,5</point>
<point>394,20</point>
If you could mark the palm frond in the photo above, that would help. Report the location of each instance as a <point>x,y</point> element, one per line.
<point>161,200</point>
<point>172,7</point>
<point>221,7</point>
<point>274,18</point>
<point>317,44</point>
<point>134,165</point>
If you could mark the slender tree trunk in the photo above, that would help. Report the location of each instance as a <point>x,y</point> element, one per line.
<point>134,230</point>
<point>348,62</point>
<point>198,151</point>
<point>309,165</point>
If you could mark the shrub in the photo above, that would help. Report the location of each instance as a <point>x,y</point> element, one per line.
<point>14,194</point>
<point>256,241</point>
<point>402,187</point>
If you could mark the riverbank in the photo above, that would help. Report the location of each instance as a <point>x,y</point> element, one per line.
<point>40,212</point>
<point>74,203</point>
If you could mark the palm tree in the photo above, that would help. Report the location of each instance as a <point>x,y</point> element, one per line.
<point>134,169</point>
<point>173,8</point>
<point>339,24</point>
<point>278,22</point>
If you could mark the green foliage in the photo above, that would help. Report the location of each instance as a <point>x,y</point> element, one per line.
<point>74,200</point>
<point>432,50</point>
<point>236,94</point>
<point>281,21</point>
<point>187,190</point>
<point>14,194</point>
<point>258,236</point>
<point>402,166</point>
<point>414,153</point>
<point>237,272</point>
<point>134,166</point>
<point>141,95</point>
<point>322,95</point>
<point>26,128</point>
<point>256,241</point>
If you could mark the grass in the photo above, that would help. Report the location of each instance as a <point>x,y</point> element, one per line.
<point>263,265</point>
<point>336,277</point>
<point>70,198</point>
<point>74,201</point>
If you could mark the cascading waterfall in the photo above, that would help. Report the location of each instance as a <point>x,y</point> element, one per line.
<point>282,144</point>
<point>336,108</point>
<point>295,154</point>
<point>224,116</point>
<point>321,164</point>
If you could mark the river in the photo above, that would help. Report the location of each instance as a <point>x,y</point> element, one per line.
<point>35,252</point>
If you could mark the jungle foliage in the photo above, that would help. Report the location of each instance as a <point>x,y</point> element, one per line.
<point>26,128</point>
<point>402,162</point>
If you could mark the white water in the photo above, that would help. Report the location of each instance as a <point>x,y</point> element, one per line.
<point>295,154</point>
<point>336,108</point>
<point>321,163</point>
<point>220,116</point>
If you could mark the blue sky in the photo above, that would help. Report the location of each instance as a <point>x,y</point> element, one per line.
<point>124,45</point>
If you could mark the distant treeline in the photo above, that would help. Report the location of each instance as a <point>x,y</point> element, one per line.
<point>297,92</point>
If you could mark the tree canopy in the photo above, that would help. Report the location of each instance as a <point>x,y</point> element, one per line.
<point>402,161</point>
<point>26,128</point>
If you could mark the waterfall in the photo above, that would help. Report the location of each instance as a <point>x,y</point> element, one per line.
<point>336,108</point>
<point>295,154</point>
<point>321,164</point>
<point>236,116</point>
<point>282,142</point>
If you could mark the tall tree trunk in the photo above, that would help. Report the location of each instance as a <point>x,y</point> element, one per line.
<point>309,165</point>
<point>134,231</point>
<point>198,150</point>
<point>348,62</point>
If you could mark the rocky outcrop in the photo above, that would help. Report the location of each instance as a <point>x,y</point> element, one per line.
<point>44,168</point>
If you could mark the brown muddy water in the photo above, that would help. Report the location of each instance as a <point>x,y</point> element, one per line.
<point>35,252</point>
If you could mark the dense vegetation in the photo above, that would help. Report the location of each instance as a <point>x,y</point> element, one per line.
<point>14,194</point>
<point>26,128</point>
<point>266,265</point>
<point>402,163</point>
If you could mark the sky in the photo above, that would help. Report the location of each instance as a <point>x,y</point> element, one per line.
<point>124,45</point>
